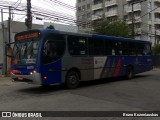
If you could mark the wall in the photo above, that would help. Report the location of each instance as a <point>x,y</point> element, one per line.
<point>156,61</point>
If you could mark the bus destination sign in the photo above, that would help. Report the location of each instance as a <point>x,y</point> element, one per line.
<point>27,36</point>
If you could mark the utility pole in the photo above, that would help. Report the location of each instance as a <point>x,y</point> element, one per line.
<point>28,20</point>
<point>155,38</point>
<point>4,46</point>
<point>133,20</point>
<point>9,26</point>
<point>132,3</point>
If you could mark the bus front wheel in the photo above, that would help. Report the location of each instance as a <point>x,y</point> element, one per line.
<point>129,72</point>
<point>72,80</point>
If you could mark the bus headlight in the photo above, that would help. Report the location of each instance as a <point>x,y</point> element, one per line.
<point>33,72</point>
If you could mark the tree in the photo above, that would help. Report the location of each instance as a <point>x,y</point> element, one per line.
<point>50,27</point>
<point>156,49</point>
<point>112,28</point>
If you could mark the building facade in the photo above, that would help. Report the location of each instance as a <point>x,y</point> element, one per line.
<point>144,15</point>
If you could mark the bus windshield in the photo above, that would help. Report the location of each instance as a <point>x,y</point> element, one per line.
<point>25,53</point>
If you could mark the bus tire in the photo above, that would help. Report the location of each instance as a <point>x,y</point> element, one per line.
<point>72,80</point>
<point>129,72</point>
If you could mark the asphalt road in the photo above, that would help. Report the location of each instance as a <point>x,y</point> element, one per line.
<point>139,94</point>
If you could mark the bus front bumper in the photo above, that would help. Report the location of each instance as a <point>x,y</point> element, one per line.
<point>34,78</point>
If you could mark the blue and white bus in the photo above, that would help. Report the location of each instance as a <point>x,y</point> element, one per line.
<point>48,57</point>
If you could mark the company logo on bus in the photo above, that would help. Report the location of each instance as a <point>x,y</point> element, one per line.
<point>28,36</point>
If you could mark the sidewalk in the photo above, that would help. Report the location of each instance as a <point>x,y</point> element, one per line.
<point>5,80</point>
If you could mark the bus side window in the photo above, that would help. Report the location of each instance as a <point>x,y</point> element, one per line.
<point>53,48</point>
<point>108,49</point>
<point>91,46</point>
<point>98,46</point>
<point>123,48</point>
<point>77,45</point>
<point>132,48</point>
<point>147,49</point>
<point>114,47</point>
<point>140,48</point>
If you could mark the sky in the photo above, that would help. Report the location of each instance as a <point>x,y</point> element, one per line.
<point>45,4</point>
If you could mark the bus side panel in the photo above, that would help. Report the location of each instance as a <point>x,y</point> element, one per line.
<point>144,64</point>
<point>113,67</point>
<point>52,72</point>
<point>83,64</point>
<point>99,65</point>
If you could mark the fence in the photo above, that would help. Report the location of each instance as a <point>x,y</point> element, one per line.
<point>1,69</point>
<point>156,61</point>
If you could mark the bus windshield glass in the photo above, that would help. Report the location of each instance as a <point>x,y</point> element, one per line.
<point>25,53</point>
<point>26,47</point>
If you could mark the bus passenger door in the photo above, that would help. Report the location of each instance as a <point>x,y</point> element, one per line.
<point>51,67</point>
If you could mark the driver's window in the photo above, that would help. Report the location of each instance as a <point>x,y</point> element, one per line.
<point>53,48</point>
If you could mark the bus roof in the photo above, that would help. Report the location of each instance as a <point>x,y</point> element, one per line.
<point>97,36</point>
<point>117,38</point>
<point>88,35</point>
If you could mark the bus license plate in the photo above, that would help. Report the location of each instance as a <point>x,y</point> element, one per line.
<point>20,78</point>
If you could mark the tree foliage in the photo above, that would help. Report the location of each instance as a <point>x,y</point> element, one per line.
<point>50,27</point>
<point>112,28</point>
<point>156,49</point>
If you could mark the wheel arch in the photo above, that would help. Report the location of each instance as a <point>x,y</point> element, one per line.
<point>130,65</point>
<point>130,73</point>
<point>74,69</point>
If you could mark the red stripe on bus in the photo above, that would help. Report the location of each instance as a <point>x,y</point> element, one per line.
<point>118,67</point>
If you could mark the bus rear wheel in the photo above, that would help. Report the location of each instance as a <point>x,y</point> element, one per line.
<point>129,72</point>
<point>72,80</point>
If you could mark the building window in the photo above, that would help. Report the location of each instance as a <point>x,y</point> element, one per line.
<point>79,17</point>
<point>137,25</point>
<point>149,5</point>
<point>157,15</point>
<point>88,15</point>
<point>83,8</point>
<point>79,9</point>
<point>149,16</point>
<point>150,28</point>
<point>97,1</point>
<point>157,4</point>
<point>83,16</point>
<point>88,6</point>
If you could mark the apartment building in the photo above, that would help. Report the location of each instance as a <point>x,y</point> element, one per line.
<point>91,10</point>
<point>146,19</point>
<point>143,14</point>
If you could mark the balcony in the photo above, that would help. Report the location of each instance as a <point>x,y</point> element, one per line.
<point>157,21</point>
<point>135,8</point>
<point>136,20</point>
<point>97,6</point>
<point>111,13</point>
<point>157,10</point>
<point>111,3</point>
<point>157,32</point>
<point>156,1</point>
<point>96,17</point>
<point>138,31</point>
